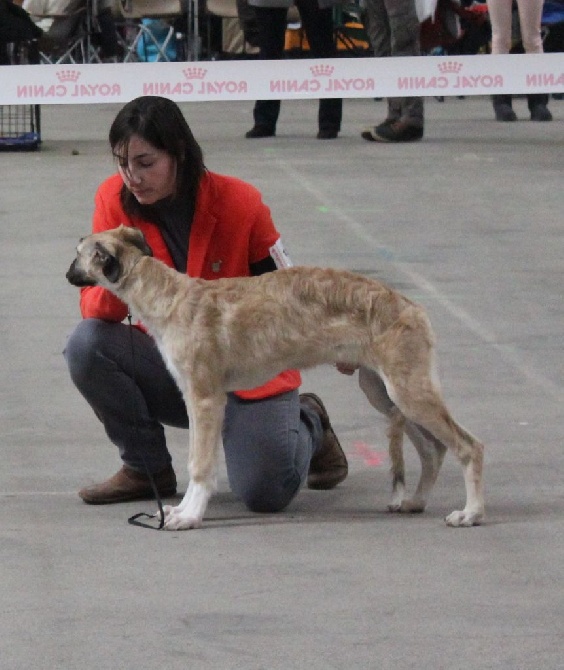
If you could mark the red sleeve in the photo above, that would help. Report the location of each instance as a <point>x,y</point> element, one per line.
<point>97,302</point>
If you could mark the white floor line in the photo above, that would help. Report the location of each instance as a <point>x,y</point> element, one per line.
<point>508,353</point>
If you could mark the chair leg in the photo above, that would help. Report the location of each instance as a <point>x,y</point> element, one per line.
<point>144,33</point>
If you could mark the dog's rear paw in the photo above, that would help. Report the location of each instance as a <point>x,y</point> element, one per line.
<point>407,507</point>
<point>412,506</point>
<point>464,519</point>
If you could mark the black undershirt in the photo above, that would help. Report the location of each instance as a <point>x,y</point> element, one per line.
<point>174,219</point>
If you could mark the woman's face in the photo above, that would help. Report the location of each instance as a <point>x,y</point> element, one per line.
<point>149,173</point>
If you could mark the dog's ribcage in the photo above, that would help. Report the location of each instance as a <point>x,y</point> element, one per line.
<point>249,329</point>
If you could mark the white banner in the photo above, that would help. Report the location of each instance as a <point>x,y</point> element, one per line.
<point>283,79</point>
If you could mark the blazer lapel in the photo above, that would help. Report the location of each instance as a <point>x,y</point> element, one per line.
<point>202,228</point>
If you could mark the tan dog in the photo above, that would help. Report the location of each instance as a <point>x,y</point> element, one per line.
<point>219,336</point>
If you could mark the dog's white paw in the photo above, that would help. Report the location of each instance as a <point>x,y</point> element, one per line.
<point>464,518</point>
<point>178,521</point>
<point>167,510</point>
<point>398,495</point>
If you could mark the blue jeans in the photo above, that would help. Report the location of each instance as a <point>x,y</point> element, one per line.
<point>268,443</point>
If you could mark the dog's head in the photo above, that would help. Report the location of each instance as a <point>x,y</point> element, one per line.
<point>105,259</point>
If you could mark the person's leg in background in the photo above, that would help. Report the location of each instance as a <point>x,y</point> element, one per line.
<point>271,32</point>
<point>109,44</point>
<point>405,28</point>
<point>393,29</point>
<point>500,18</point>
<point>530,18</point>
<point>319,29</point>
<point>530,15</point>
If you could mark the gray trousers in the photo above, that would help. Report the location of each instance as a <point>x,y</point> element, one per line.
<point>393,29</point>
<point>268,443</point>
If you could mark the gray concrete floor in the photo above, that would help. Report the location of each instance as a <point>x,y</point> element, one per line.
<point>468,222</point>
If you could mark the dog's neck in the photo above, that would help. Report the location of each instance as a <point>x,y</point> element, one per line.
<point>125,283</point>
<point>140,258</point>
<point>148,299</point>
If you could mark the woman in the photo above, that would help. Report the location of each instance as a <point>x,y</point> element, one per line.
<point>210,226</point>
<point>530,15</point>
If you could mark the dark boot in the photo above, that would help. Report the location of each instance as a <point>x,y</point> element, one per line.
<point>503,109</point>
<point>329,466</point>
<point>538,107</point>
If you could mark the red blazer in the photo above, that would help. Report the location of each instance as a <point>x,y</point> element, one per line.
<point>232,228</point>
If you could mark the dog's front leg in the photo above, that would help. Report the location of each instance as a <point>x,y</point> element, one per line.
<point>206,421</point>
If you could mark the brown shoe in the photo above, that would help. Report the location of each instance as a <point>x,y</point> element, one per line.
<point>329,466</point>
<point>128,484</point>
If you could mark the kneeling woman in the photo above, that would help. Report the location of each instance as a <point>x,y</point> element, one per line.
<point>210,226</point>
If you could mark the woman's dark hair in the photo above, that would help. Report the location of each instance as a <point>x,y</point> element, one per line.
<point>160,122</point>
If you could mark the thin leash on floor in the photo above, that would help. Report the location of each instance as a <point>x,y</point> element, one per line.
<point>134,520</point>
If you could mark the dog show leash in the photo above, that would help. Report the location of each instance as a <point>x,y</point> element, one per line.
<point>134,520</point>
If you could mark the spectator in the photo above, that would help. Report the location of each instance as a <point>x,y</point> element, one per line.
<point>70,20</point>
<point>530,15</point>
<point>393,29</point>
<point>317,21</point>
<point>15,26</point>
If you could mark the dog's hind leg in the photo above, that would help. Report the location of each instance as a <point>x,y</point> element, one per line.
<point>395,446</point>
<point>428,410</point>
<point>431,453</point>
<point>430,450</point>
<point>205,424</point>
<point>406,357</point>
<point>375,391</point>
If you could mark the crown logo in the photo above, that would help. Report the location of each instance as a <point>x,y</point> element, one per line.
<point>68,75</point>
<point>195,72</point>
<point>322,70</point>
<point>450,67</point>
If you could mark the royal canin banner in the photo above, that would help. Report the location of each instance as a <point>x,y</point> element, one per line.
<point>283,79</point>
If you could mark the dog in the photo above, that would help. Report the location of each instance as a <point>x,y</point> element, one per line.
<point>237,333</point>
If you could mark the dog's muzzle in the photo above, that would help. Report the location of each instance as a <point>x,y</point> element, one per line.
<point>77,278</point>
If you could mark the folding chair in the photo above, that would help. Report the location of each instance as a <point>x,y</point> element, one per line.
<point>145,38</point>
<point>71,41</point>
<point>233,41</point>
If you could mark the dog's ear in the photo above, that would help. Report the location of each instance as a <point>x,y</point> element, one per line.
<point>111,267</point>
<point>136,237</point>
